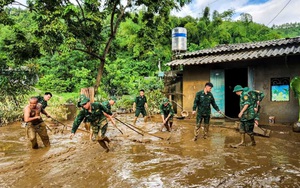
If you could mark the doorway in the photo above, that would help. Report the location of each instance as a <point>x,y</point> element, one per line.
<point>234,77</point>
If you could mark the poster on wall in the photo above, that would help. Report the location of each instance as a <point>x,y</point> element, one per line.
<point>280,89</point>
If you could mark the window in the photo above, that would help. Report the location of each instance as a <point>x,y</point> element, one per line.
<point>280,89</point>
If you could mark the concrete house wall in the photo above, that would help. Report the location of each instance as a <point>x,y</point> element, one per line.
<point>195,77</point>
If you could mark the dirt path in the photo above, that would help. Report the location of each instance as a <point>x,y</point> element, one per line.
<point>137,161</point>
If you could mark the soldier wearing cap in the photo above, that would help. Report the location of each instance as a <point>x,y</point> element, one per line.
<point>108,104</point>
<point>167,113</point>
<point>139,106</point>
<point>246,115</point>
<point>202,103</point>
<point>97,115</point>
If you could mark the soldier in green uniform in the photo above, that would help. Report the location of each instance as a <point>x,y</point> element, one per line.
<point>139,106</point>
<point>257,97</point>
<point>202,103</point>
<point>108,104</point>
<point>246,115</point>
<point>44,102</point>
<point>35,124</point>
<point>167,113</point>
<point>97,115</point>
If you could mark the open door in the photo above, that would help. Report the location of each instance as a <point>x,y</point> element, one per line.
<point>217,79</point>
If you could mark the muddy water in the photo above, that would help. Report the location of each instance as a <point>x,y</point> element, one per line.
<point>147,161</point>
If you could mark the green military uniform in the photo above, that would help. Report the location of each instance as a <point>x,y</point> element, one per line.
<point>247,119</point>
<point>248,116</point>
<point>202,104</point>
<point>166,110</point>
<point>42,101</point>
<point>255,96</point>
<point>96,118</point>
<point>107,105</point>
<point>140,106</point>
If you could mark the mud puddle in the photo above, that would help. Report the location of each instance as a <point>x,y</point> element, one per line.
<point>147,161</point>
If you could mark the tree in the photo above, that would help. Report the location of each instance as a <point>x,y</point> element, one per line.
<point>89,26</point>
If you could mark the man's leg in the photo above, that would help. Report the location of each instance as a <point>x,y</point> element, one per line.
<point>32,136</point>
<point>136,115</point>
<point>42,131</point>
<point>145,115</point>
<point>197,127</point>
<point>242,133</point>
<point>249,130</point>
<point>103,138</point>
<point>206,126</point>
<point>170,122</point>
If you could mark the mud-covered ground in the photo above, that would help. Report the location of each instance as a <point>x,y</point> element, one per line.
<point>147,161</point>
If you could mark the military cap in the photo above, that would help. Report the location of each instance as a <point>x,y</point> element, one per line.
<point>165,100</point>
<point>83,100</point>
<point>113,98</point>
<point>238,88</point>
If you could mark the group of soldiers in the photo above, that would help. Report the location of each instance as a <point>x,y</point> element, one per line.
<point>96,116</point>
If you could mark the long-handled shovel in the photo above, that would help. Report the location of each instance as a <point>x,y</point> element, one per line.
<point>137,128</point>
<point>129,127</point>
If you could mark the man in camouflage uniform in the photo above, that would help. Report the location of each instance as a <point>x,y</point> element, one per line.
<point>97,115</point>
<point>108,104</point>
<point>257,97</point>
<point>167,113</point>
<point>44,102</point>
<point>139,106</point>
<point>246,115</point>
<point>35,124</point>
<point>202,103</point>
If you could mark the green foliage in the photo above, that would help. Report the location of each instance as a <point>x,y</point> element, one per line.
<point>288,30</point>
<point>295,85</point>
<point>11,108</point>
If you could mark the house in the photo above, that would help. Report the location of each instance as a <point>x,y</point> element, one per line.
<point>268,66</point>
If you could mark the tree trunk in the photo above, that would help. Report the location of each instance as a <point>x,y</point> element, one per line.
<point>99,75</point>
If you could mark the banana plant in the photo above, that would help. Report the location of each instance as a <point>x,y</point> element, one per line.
<point>295,85</point>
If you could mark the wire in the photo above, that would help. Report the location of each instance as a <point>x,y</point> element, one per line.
<point>279,12</point>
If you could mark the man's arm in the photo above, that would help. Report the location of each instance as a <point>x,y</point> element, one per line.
<point>196,101</point>
<point>77,121</point>
<point>243,110</point>
<point>214,104</point>
<point>43,111</point>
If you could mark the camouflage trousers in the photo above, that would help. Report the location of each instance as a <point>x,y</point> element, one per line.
<point>39,129</point>
<point>247,126</point>
<point>99,132</point>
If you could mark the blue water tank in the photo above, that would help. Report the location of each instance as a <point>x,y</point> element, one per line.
<point>179,39</point>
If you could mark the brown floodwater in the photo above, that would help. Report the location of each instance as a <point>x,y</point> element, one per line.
<point>147,161</point>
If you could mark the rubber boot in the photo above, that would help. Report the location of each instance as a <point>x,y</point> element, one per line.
<point>134,121</point>
<point>242,143</point>
<point>170,125</point>
<point>206,127</point>
<point>253,143</point>
<point>196,133</point>
<point>103,144</point>
<point>167,127</point>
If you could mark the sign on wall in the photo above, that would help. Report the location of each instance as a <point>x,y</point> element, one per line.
<point>280,89</point>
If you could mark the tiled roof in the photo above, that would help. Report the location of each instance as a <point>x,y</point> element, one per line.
<point>239,52</point>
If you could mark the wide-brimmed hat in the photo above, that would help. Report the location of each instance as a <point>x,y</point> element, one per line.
<point>238,88</point>
<point>113,98</point>
<point>83,100</point>
<point>165,100</point>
